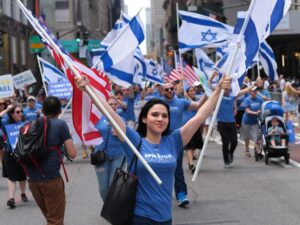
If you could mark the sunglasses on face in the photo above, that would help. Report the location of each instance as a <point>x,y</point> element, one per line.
<point>31,100</point>
<point>18,112</point>
<point>169,89</point>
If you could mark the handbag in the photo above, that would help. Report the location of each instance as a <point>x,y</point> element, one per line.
<point>99,157</point>
<point>119,204</point>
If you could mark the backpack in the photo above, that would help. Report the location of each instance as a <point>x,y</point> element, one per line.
<point>31,147</point>
<point>32,144</point>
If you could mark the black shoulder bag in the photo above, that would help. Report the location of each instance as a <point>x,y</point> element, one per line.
<point>99,157</point>
<point>119,204</point>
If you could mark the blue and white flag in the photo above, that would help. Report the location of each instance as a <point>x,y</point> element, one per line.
<point>50,73</point>
<point>199,31</point>
<point>125,43</point>
<point>268,61</point>
<point>205,64</point>
<point>152,73</point>
<point>256,30</point>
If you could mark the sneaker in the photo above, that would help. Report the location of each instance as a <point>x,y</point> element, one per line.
<point>11,203</point>
<point>24,197</point>
<point>260,156</point>
<point>227,166</point>
<point>182,200</point>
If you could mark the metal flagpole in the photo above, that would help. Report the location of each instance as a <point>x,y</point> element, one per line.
<point>232,59</point>
<point>42,76</point>
<point>92,95</point>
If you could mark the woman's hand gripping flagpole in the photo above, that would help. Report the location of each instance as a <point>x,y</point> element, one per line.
<point>87,88</point>
<point>232,59</point>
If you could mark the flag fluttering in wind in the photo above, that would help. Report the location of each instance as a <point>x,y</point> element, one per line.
<point>125,43</point>
<point>205,64</point>
<point>85,114</point>
<point>199,31</point>
<point>152,73</point>
<point>50,73</point>
<point>268,61</point>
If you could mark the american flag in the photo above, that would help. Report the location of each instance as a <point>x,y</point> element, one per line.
<point>185,69</point>
<point>85,114</point>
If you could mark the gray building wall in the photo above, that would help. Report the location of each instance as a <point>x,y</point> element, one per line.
<point>158,35</point>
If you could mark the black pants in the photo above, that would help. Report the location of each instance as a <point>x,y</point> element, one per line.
<point>229,139</point>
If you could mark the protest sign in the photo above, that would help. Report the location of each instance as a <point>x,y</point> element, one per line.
<point>12,131</point>
<point>23,79</point>
<point>62,90</point>
<point>6,86</point>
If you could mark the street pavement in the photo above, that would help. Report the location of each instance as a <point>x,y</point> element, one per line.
<point>251,193</point>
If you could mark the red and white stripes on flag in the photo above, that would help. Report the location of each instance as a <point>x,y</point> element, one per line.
<point>84,112</point>
<point>188,73</point>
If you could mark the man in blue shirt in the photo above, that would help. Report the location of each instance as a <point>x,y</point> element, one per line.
<point>31,112</point>
<point>177,108</point>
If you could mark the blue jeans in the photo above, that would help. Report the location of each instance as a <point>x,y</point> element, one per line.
<point>180,185</point>
<point>139,220</point>
<point>105,173</point>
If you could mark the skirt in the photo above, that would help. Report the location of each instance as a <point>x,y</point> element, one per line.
<point>11,168</point>
<point>249,132</point>
<point>196,141</point>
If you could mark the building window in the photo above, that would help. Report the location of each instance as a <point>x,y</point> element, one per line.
<point>62,4</point>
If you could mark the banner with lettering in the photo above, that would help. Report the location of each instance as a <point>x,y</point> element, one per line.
<point>12,131</point>
<point>62,90</point>
<point>6,86</point>
<point>23,79</point>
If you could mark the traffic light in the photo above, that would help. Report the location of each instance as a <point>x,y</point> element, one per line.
<point>78,36</point>
<point>1,39</point>
<point>85,38</point>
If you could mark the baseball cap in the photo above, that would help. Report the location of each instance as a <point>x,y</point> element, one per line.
<point>31,98</point>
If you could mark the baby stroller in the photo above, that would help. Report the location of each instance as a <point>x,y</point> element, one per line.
<point>272,109</point>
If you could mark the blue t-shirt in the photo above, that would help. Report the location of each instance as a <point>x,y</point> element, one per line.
<point>240,102</point>
<point>57,134</point>
<point>226,111</point>
<point>31,113</point>
<point>177,107</point>
<point>265,93</point>
<point>127,114</point>
<point>254,104</point>
<point>188,114</point>
<point>154,201</point>
<point>114,147</point>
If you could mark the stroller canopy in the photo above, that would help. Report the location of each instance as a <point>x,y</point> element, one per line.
<point>272,108</point>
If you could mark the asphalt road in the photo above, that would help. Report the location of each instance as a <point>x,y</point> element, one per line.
<point>251,193</point>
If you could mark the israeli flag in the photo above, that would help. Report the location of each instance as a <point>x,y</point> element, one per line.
<point>268,61</point>
<point>256,30</point>
<point>153,74</point>
<point>127,40</point>
<point>199,31</point>
<point>50,73</point>
<point>205,64</point>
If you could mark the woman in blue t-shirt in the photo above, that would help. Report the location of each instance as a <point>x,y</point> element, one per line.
<point>113,149</point>
<point>160,149</point>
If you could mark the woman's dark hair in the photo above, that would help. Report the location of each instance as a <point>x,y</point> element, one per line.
<point>51,106</point>
<point>11,112</point>
<point>142,128</point>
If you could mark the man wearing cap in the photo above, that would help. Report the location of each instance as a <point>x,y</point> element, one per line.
<point>31,112</point>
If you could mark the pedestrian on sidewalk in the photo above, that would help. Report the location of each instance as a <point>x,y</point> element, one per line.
<point>48,190</point>
<point>161,149</point>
